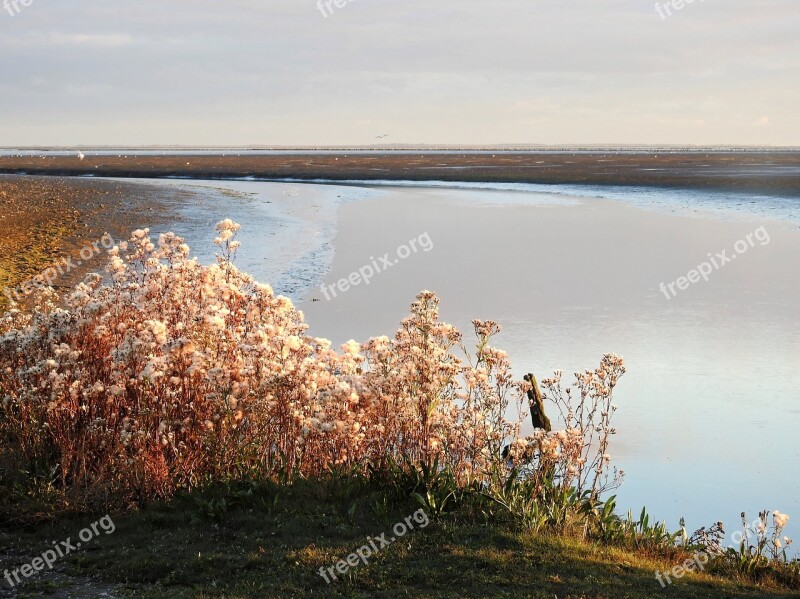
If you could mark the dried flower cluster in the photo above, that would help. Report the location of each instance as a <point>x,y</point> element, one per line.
<point>709,539</point>
<point>169,373</point>
<point>765,542</point>
<point>577,456</point>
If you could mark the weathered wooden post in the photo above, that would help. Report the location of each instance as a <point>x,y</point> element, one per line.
<point>536,403</point>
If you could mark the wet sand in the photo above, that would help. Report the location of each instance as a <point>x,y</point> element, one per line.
<point>766,172</point>
<point>44,220</point>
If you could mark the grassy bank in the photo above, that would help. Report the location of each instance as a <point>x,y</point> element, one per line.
<point>271,541</point>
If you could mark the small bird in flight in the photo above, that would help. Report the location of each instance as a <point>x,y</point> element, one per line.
<point>381,136</point>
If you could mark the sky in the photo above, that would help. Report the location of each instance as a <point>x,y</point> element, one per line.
<point>280,72</point>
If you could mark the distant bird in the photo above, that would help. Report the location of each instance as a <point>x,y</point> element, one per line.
<point>81,156</point>
<point>381,136</point>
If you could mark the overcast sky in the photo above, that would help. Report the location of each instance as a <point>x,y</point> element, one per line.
<point>234,72</point>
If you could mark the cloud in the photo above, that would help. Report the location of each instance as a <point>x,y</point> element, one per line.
<point>456,71</point>
<point>105,40</point>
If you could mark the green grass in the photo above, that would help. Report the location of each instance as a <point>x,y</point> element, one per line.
<point>271,542</point>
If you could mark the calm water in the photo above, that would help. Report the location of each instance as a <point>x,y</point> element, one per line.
<point>710,408</point>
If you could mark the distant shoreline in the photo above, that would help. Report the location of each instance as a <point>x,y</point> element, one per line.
<point>401,148</point>
<point>774,172</point>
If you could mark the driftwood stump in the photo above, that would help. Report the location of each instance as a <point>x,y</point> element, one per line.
<point>536,403</point>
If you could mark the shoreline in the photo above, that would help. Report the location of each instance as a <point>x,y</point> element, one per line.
<point>768,173</point>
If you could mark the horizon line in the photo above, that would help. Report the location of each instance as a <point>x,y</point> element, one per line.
<point>407,147</point>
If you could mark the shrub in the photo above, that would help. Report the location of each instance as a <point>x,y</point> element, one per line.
<point>169,374</point>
